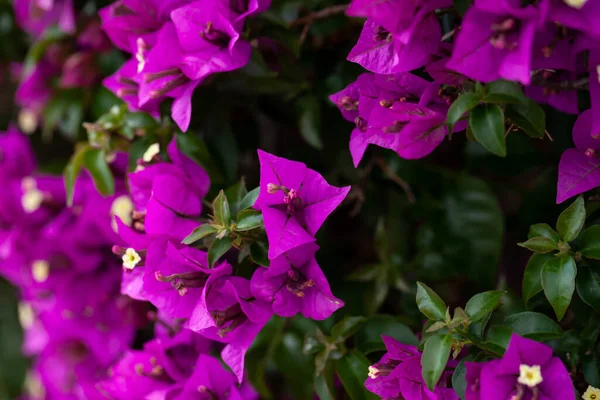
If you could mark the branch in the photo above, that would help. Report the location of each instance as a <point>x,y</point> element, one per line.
<point>396,179</point>
<point>578,84</point>
<point>324,13</point>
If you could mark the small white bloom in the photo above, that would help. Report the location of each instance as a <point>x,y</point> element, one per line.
<point>131,258</point>
<point>153,150</point>
<point>373,372</point>
<point>591,393</point>
<point>32,200</point>
<point>576,3</point>
<point>40,269</point>
<point>26,315</point>
<point>121,207</point>
<point>28,121</point>
<point>530,376</point>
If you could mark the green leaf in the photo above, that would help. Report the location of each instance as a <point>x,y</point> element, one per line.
<point>346,328</point>
<point>249,199</point>
<point>199,233</point>
<point>543,230</point>
<point>570,222</point>
<point>588,285</point>
<point>217,249</point>
<point>429,303</point>
<point>221,211</point>
<point>352,369</point>
<point>324,388</point>
<point>368,337</point>
<point>499,337</point>
<point>487,125</point>
<point>534,325</point>
<point>65,112</point>
<point>235,194</point>
<point>72,171</point>
<point>502,91</point>
<point>482,304</point>
<point>462,6</point>
<point>95,162</point>
<point>558,281</point>
<point>309,120</point>
<point>463,104</point>
<point>591,368</point>
<point>532,279</point>
<point>259,252</point>
<point>249,219</point>
<point>459,381</point>
<point>539,244</point>
<point>589,243</point>
<point>196,149</point>
<point>435,357</point>
<point>530,117</point>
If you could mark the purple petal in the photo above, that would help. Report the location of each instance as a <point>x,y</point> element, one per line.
<point>577,173</point>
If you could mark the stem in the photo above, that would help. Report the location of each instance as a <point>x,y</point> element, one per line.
<point>397,180</point>
<point>321,14</point>
<point>578,84</point>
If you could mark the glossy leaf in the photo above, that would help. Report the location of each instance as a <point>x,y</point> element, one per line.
<point>429,303</point>
<point>72,171</point>
<point>540,244</point>
<point>346,328</point>
<point>368,338</point>
<point>352,370</point>
<point>534,325</point>
<point>249,219</point>
<point>543,230</point>
<point>502,91</point>
<point>462,105</point>
<point>235,194</point>
<point>588,285</point>
<point>435,357</point>
<point>259,252</point>
<point>558,281</point>
<point>487,125</point>
<point>198,233</point>
<point>482,304</point>
<point>570,222</point>
<point>589,243</point>
<point>94,161</point>
<point>532,279</point>
<point>217,249</point>
<point>459,383</point>
<point>221,210</point>
<point>249,199</point>
<point>530,117</point>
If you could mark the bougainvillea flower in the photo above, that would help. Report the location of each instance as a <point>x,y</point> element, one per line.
<point>495,41</point>
<point>579,168</point>
<point>34,16</point>
<point>473,378</point>
<point>16,156</point>
<point>228,313</point>
<point>398,375</point>
<point>294,283</point>
<point>594,63</point>
<point>294,200</point>
<point>576,14</point>
<point>563,100</point>
<point>124,84</point>
<point>527,370</point>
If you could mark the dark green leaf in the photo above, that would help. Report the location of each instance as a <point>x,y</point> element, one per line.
<point>217,249</point>
<point>249,219</point>
<point>544,230</point>
<point>95,162</point>
<point>324,388</point>
<point>462,6</point>
<point>487,125</point>
<point>196,149</point>
<point>459,382</point>
<point>482,304</point>
<point>249,199</point>
<point>309,120</point>
<point>589,244</point>
<point>258,253</point>
<point>570,222</point>
<point>532,279</point>
<point>591,368</point>
<point>368,338</point>
<point>463,104</point>
<point>502,91</point>
<point>65,112</point>
<point>139,120</point>
<point>435,357</point>
<point>72,171</point>
<point>558,281</point>
<point>588,285</point>
<point>352,370</point>
<point>346,328</point>
<point>499,336</point>
<point>199,233</point>
<point>539,244</point>
<point>235,194</point>
<point>534,325</point>
<point>429,303</point>
<point>530,117</point>
<point>221,211</point>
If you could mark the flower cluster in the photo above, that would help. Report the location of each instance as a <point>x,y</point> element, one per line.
<point>67,53</point>
<point>542,45</point>
<point>175,46</point>
<point>209,299</point>
<point>75,319</point>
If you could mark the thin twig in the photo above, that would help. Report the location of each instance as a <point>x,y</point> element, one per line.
<point>397,180</point>
<point>324,13</point>
<point>578,84</point>
<point>448,35</point>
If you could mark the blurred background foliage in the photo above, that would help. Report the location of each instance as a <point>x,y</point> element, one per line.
<point>452,219</point>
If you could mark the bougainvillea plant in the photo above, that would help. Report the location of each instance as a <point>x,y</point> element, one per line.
<point>185,214</point>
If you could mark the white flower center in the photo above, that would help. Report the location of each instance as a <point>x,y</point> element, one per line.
<point>121,207</point>
<point>153,150</point>
<point>32,198</point>
<point>373,372</point>
<point>576,3</point>
<point>139,55</point>
<point>40,269</point>
<point>530,376</point>
<point>131,258</point>
<point>26,315</point>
